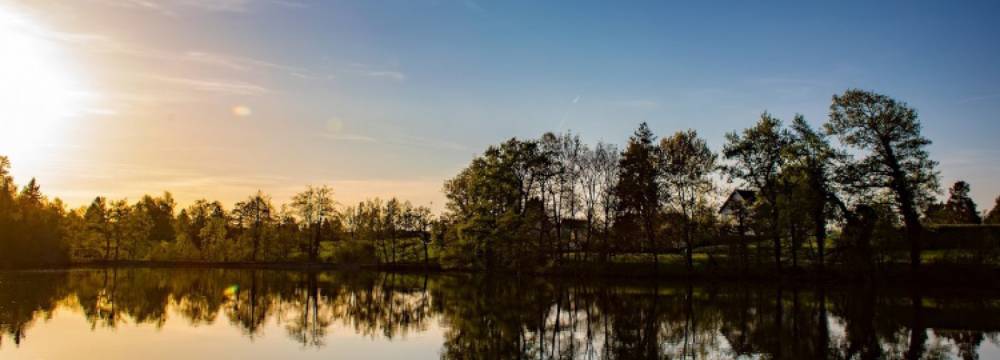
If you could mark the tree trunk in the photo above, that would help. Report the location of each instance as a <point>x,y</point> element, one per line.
<point>796,241</point>
<point>314,247</point>
<point>907,206</point>
<point>426,255</point>
<point>819,219</point>
<point>256,244</point>
<point>775,232</point>
<point>688,239</point>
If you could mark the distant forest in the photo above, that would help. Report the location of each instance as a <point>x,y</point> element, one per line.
<point>857,195</point>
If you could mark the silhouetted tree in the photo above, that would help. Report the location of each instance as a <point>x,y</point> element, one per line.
<point>638,191</point>
<point>993,217</point>
<point>254,213</point>
<point>814,157</point>
<point>685,166</point>
<point>315,205</point>
<point>606,161</point>
<point>99,223</point>
<point>892,154</point>
<point>756,157</point>
<point>959,209</point>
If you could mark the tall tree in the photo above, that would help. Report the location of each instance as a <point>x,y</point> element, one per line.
<point>590,190</point>
<point>638,190</point>
<point>255,213</point>
<point>891,154</point>
<point>161,212</point>
<point>756,157</point>
<point>391,221</point>
<point>97,221</point>
<point>814,157</point>
<point>315,205</point>
<point>200,214</point>
<point>607,158</point>
<point>685,166</point>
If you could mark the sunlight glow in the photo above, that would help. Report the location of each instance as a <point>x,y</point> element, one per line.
<point>242,111</point>
<point>38,90</point>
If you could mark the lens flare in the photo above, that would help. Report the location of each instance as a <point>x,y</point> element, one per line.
<point>242,111</point>
<point>231,291</point>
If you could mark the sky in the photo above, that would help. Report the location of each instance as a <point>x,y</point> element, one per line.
<point>219,98</point>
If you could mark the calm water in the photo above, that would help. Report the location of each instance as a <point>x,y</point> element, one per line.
<point>244,314</point>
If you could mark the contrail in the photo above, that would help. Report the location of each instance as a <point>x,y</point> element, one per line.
<point>566,112</point>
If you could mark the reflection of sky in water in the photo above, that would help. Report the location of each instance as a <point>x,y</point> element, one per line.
<point>68,336</point>
<point>178,339</point>
<point>208,313</point>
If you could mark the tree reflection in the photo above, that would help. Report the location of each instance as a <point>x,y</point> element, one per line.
<point>491,317</point>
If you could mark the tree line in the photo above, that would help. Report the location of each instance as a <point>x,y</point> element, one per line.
<point>857,192</point>
<point>863,180</point>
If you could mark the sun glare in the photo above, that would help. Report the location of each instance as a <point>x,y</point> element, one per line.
<point>38,90</point>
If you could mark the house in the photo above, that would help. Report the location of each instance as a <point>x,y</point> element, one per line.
<point>737,207</point>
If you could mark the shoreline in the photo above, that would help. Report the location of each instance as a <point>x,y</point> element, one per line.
<point>931,275</point>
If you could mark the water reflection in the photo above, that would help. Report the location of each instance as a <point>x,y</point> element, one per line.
<point>503,318</point>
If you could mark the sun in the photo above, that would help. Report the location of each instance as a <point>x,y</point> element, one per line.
<point>39,94</point>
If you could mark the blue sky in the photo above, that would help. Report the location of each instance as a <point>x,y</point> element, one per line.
<point>402,94</point>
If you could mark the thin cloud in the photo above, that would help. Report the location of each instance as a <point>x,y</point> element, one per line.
<point>104,44</point>
<point>335,131</point>
<point>416,141</point>
<point>349,137</point>
<point>242,63</point>
<point>374,71</point>
<point>217,86</point>
<point>171,7</point>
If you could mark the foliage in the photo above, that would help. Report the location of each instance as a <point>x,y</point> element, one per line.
<point>892,155</point>
<point>557,203</point>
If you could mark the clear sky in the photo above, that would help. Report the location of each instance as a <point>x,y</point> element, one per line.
<point>217,98</point>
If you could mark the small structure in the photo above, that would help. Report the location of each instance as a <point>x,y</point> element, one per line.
<point>738,203</point>
<point>736,210</point>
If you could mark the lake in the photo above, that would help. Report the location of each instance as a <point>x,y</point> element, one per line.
<point>264,314</point>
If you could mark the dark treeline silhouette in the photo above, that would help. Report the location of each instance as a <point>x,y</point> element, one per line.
<point>494,317</point>
<point>857,194</point>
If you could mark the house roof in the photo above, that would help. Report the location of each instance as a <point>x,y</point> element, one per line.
<point>737,199</point>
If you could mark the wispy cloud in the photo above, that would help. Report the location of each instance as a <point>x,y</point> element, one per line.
<point>217,86</point>
<point>349,137</point>
<point>335,130</point>
<point>374,71</point>
<point>417,141</point>
<point>394,75</point>
<point>98,43</point>
<point>171,7</point>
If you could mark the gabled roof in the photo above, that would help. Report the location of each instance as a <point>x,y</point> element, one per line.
<point>738,199</point>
